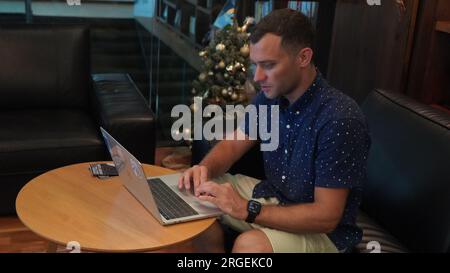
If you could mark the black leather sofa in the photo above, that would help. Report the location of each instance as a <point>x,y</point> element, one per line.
<point>51,107</point>
<point>406,203</point>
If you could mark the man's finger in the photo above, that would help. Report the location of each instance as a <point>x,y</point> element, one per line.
<point>180,181</point>
<point>187,179</point>
<point>208,198</point>
<point>196,177</point>
<point>209,188</point>
<point>203,175</point>
<point>203,179</point>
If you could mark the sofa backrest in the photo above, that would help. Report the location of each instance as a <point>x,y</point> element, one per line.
<point>44,66</point>
<point>408,187</point>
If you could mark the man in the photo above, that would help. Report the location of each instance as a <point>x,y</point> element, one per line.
<point>309,199</point>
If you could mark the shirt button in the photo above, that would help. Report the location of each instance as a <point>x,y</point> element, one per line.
<point>286,151</point>
<point>283,177</point>
<point>288,126</point>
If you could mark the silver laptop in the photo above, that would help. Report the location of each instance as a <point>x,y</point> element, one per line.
<point>160,194</point>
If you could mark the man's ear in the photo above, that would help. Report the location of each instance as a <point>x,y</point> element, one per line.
<point>304,57</point>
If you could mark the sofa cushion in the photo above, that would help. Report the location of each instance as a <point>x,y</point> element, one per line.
<point>375,236</point>
<point>44,66</point>
<point>40,140</point>
<point>408,188</point>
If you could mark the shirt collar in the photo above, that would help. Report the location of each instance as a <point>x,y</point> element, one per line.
<point>306,98</point>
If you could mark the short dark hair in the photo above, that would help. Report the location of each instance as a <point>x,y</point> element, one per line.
<point>294,28</point>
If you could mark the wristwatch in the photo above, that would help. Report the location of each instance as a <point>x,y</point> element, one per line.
<point>253,209</point>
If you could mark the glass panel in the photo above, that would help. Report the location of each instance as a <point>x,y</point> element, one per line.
<point>171,78</point>
<point>170,75</point>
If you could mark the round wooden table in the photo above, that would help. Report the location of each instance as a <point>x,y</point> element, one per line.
<point>70,205</point>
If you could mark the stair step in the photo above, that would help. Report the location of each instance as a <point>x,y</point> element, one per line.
<point>170,62</point>
<point>169,102</point>
<point>100,68</point>
<point>125,61</point>
<point>101,47</point>
<point>113,36</point>
<point>171,75</point>
<point>173,88</point>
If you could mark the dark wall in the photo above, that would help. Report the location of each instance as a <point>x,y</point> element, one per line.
<point>371,46</point>
<point>430,64</point>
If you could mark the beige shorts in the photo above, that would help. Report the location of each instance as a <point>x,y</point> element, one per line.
<point>282,242</point>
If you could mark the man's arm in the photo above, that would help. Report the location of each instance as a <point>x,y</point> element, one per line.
<point>218,160</point>
<point>342,151</point>
<point>321,216</point>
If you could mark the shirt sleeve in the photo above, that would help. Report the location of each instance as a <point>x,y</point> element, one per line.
<point>343,148</point>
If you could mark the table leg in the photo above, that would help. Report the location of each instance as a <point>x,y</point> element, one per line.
<point>51,247</point>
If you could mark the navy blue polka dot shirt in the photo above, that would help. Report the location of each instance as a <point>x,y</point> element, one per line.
<point>323,142</point>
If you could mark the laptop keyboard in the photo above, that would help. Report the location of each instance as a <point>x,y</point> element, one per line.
<point>170,205</point>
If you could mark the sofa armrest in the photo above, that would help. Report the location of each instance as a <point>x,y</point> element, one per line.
<point>122,110</point>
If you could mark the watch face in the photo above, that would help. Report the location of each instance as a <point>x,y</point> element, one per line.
<point>254,206</point>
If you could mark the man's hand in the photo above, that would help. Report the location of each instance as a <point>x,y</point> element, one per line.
<point>197,175</point>
<point>225,198</point>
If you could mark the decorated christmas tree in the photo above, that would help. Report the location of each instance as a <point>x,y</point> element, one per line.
<point>226,62</point>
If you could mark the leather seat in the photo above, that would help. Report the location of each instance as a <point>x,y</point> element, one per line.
<point>51,107</point>
<point>408,187</point>
<point>29,137</point>
<point>376,238</point>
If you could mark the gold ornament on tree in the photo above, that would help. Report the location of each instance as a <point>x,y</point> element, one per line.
<point>245,50</point>
<point>248,21</point>
<point>225,65</point>
<point>202,77</point>
<point>220,47</point>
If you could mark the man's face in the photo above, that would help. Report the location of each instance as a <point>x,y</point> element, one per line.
<point>277,71</point>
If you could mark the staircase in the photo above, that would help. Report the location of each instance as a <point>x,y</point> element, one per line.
<point>115,48</point>
<point>171,86</point>
<point>123,46</point>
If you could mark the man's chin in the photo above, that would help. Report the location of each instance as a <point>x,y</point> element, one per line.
<point>269,95</point>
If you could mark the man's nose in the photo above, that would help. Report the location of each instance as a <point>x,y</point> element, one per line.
<point>259,76</point>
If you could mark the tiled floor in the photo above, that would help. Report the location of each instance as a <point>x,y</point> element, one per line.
<point>15,237</point>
